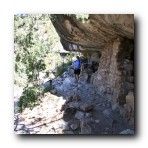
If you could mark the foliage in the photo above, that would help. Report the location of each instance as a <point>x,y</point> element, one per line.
<point>34,38</point>
<point>81,17</point>
<point>59,71</point>
<point>52,61</point>
<point>30,97</point>
<point>34,42</point>
<point>47,89</point>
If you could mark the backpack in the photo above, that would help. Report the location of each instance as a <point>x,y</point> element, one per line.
<point>77,64</point>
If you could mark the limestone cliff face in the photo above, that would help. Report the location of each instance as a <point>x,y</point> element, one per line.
<point>94,33</point>
<point>109,41</point>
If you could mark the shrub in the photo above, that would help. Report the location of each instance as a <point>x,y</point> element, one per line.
<point>29,97</point>
<point>59,71</point>
<point>47,89</point>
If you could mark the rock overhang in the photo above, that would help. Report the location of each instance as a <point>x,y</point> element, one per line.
<point>95,33</point>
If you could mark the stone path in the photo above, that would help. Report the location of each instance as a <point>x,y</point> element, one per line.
<point>73,108</point>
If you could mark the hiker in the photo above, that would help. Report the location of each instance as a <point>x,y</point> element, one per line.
<point>77,68</point>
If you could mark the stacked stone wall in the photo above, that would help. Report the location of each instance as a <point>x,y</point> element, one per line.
<point>115,74</point>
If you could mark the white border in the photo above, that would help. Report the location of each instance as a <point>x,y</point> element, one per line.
<point>10,7</point>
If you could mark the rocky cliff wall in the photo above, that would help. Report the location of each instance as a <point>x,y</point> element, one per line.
<point>94,33</point>
<point>107,40</point>
<point>115,76</point>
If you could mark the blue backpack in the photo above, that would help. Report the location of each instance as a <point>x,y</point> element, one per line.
<point>77,64</point>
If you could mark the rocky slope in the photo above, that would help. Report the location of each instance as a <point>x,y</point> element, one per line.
<point>72,108</point>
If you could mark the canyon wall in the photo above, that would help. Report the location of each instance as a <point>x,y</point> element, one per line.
<point>107,41</point>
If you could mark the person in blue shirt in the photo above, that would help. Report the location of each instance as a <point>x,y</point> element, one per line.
<point>77,68</point>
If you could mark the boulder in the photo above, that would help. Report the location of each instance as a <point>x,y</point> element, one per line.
<point>115,107</point>
<point>68,99</point>
<point>97,121</point>
<point>88,115</point>
<point>74,126</point>
<point>69,132</point>
<point>130,100</point>
<point>85,128</point>
<point>58,79</point>
<point>127,132</point>
<point>86,107</point>
<point>121,111</point>
<point>66,83</point>
<point>107,112</point>
<point>74,105</point>
<point>102,89</point>
<point>79,115</point>
<point>20,127</point>
<point>128,113</point>
<point>76,98</point>
<point>69,80</point>
<point>22,117</point>
<point>54,91</point>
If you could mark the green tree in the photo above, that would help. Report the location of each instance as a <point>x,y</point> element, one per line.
<point>34,38</point>
<point>34,41</point>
